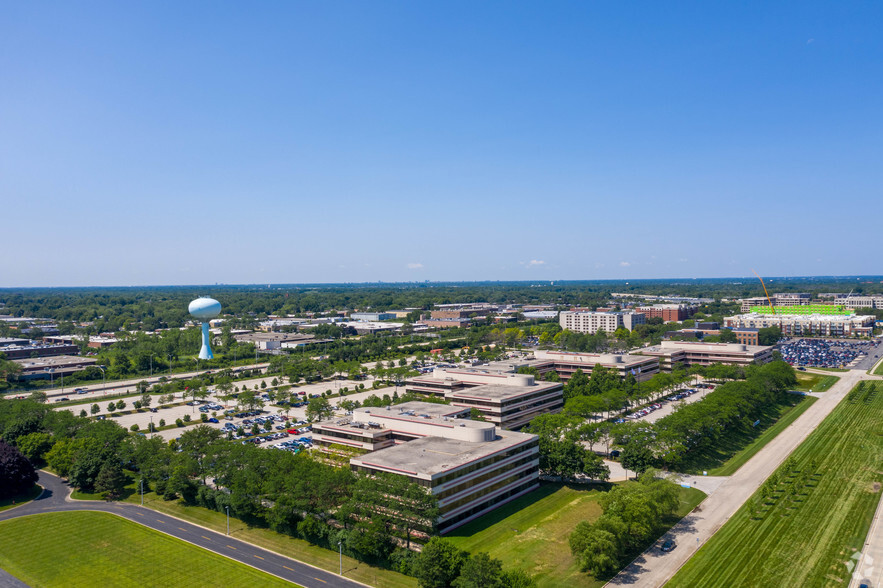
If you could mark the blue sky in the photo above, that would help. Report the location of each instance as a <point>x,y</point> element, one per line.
<point>184,142</point>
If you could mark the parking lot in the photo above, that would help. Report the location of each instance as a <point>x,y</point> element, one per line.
<point>830,353</point>
<point>657,410</point>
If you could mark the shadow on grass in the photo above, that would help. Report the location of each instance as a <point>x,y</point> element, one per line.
<point>21,498</point>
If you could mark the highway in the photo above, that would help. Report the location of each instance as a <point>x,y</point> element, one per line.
<point>56,498</point>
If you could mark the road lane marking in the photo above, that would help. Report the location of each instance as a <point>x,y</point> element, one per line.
<point>231,547</point>
<point>206,538</point>
<point>140,514</point>
<point>321,580</point>
<point>259,557</point>
<point>288,568</point>
<point>160,521</point>
<point>182,529</point>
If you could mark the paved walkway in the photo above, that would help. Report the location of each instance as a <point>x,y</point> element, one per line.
<point>56,498</point>
<point>869,568</point>
<point>655,568</point>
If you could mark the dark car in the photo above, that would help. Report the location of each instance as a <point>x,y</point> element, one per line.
<point>213,420</point>
<point>667,545</point>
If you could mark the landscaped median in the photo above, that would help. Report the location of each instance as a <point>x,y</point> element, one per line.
<point>810,518</point>
<point>89,549</point>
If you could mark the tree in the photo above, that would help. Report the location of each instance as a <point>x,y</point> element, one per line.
<point>319,409</point>
<point>34,445</point>
<point>595,548</point>
<point>17,475</point>
<point>517,579</point>
<point>769,335</point>
<point>480,571</point>
<point>37,396</point>
<point>121,405</point>
<point>111,407</point>
<point>637,457</point>
<point>249,401</point>
<point>146,399</point>
<point>439,564</point>
<point>95,409</point>
<point>110,480</point>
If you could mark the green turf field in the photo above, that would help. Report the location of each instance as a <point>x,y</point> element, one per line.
<point>807,382</point>
<point>815,518</point>
<point>100,549</point>
<point>532,532</point>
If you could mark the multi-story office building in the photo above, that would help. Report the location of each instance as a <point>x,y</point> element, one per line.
<point>508,400</point>
<point>806,325</point>
<point>472,467</point>
<point>673,354</point>
<point>565,363</point>
<point>592,322</point>
<point>372,316</point>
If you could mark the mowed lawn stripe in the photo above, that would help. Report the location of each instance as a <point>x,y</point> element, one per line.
<point>810,539</point>
<point>83,548</point>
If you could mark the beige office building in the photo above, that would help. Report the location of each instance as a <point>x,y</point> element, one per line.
<point>592,322</point>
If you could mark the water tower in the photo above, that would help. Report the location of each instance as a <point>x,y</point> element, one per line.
<point>205,309</point>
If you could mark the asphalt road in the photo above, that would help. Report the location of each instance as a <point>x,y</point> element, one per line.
<point>655,568</point>
<point>55,498</point>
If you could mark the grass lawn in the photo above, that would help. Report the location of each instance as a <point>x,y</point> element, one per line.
<point>532,532</point>
<point>807,382</point>
<point>24,497</point>
<point>100,549</point>
<point>879,370</point>
<point>283,544</point>
<point>806,538</point>
<point>738,445</point>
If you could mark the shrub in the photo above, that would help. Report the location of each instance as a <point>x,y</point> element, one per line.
<point>162,422</point>
<point>186,418</point>
<point>134,427</point>
<point>179,422</point>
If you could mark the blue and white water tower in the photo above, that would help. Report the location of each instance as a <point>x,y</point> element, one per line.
<point>205,309</point>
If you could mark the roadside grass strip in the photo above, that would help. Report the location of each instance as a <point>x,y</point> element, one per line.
<point>808,521</point>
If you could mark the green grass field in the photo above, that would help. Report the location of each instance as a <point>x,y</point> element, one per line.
<point>31,494</point>
<point>879,370</point>
<point>804,538</point>
<point>268,539</point>
<point>532,532</point>
<point>100,549</point>
<point>738,446</point>
<point>815,382</point>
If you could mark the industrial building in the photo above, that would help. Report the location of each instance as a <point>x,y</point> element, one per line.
<point>46,368</point>
<point>592,322</point>
<point>472,467</point>
<point>673,354</point>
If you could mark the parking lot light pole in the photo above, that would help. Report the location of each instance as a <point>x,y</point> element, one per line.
<point>228,519</point>
<point>340,548</point>
<point>142,491</point>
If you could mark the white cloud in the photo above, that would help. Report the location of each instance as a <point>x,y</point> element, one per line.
<point>810,41</point>
<point>534,262</point>
<point>624,264</point>
<point>683,260</point>
<point>414,265</point>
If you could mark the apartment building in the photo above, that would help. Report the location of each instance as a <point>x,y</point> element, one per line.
<point>592,322</point>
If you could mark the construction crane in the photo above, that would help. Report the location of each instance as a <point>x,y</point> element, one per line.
<point>765,292</point>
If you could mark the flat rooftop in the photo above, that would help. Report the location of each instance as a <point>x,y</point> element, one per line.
<point>52,362</point>
<point>502,392</point>
<point>431,456</point>
<point>605,359</point>
<point>697,346</point>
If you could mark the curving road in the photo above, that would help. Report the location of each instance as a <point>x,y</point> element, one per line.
<point>56,498</point>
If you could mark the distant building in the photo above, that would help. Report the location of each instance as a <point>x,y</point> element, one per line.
<point>806,325</point>
<point>669,313</point>
<point>33,351</point>
<point>46,368</point>
<point>565,364</point>
<point>372,316</point>
<point>446,323</point>
<point>592,322</point>
<point>672,354</point>
<point>271,341</point>
<point>747,336</point>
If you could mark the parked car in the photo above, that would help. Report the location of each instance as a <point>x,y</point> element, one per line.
<point>667,545</point>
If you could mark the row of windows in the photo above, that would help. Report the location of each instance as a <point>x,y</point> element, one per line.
<point>547,403</point>
<point>530,473</point>
<point>486,462</point>
<point>480,507</point>
<point>373,471</point>
<point>352,436</point>
<point>486,476</point>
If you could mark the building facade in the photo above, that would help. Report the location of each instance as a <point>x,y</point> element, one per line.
<point>674,354</point>
<point>592,322</point>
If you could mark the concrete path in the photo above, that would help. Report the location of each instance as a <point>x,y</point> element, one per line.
<point>655,568</point>
<point>56,498</point>
<point>869,567</point>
